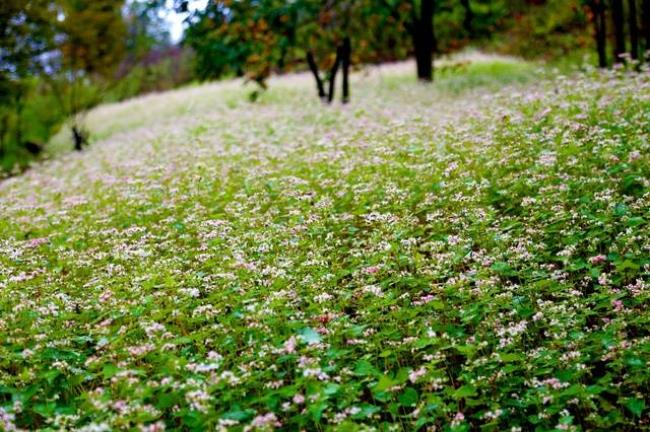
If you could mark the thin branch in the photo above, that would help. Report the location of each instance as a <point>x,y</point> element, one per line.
<point>314,70</point>
<point>335,69</point>
<point>346,51</point>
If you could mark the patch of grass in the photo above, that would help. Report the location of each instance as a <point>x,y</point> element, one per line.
<point>471,71</point>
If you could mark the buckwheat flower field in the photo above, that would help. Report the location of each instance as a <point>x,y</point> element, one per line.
<point>473,255</point>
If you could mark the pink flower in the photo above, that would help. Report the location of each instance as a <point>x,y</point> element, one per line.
<point>372,270</point>
<point>264,421</point>
<point>37,242</point>
<point>424,300</point>
<point>618,305</point>
<point>154,427</point>
<point>290,345</point>
<point>417,374</point>
<point>598,259</point>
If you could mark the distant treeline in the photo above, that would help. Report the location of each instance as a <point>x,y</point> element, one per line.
<point>58,58</point>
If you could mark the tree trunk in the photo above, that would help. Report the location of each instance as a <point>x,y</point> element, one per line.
<point>4,127</point>
<point>314,70</point>
<point>634,29</point>
<point>469,18</point>
<point>79,137</point>
<point>600,25</point>
<point>646,26</point>
<point>333,72</point>
<point>423,41</point>
<point>346,52</point>
<point>19,123</point>
<point>619,30</point>
<point>33,147</point>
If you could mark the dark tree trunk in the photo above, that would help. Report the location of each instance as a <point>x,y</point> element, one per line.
<point>343,58</point>
<point>619,30</point>
<point>4,127</point>
<point>634,29</point>
<point>469,18</point>
<point>423,41</point>
<point>314,70</point>
<point>600,25</point>
<point>33,147</point>
<point>333,72</point>
<point>19,127</point>
<point>346,54</point>
<point>646,26</point>
<point>80,138</point>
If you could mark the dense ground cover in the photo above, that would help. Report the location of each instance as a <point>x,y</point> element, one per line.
<point>420,258</point>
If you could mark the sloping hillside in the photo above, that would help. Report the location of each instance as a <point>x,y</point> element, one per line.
<point>470,254</point>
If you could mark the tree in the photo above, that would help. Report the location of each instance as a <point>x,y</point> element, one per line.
<point>634,29</point>
<point>91,36</point>
<point>26,34</point>
<point>619,30</point>
<point>468,18</point>
<point>597,8</point>
<point>423,40</point>
<point>645,18</point>
<point>417,18</point>
<point>245,37</point>
<point>253,38</point>
<point>146,30</point>
<point>335,24</point>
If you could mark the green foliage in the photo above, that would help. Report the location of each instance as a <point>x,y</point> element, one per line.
<point>412,260</point>
<point>554,29</point>
<point>26,32</point>
<point>170,70</point>
<point>254,38</point>
<point>66,45</point>
<point>146,30</point>
<point>93,36</point>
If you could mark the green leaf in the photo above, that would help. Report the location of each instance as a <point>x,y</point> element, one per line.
<point>409,397</point>
<point>627,265</point>
<point>636,406</point>
<point>167,400</point>
<point>595,389</point>
<point>364,368</point>
<point>316,411</point>
<point>620,209</point>
<point>310,336</point>
<point>510,357</point>
<point>46,409</point>
<point>465,391</point>
<point>635,221</point>
<point>109,371</point>
<point>502,268</point>
<point>385,382</point>
<point>366,411</point>
<point>331,389</point>
<point>238,414</point>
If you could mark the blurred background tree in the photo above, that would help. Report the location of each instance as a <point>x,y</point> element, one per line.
<point>26,36</point>
<point>91,40</point>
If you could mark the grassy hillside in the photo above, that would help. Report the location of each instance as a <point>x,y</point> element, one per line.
<point>470,254</point>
